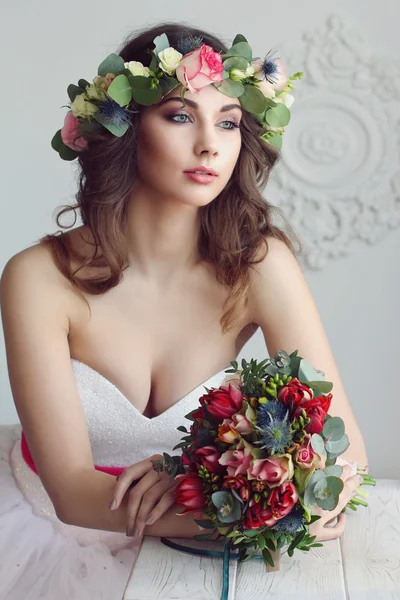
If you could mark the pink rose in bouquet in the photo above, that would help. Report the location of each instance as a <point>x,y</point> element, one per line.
<point>200,68</point>
<point>274,470</point>
<point>306,458</point>
<point>259,454</point>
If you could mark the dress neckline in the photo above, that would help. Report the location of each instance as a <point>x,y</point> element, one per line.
<point>125,399</point>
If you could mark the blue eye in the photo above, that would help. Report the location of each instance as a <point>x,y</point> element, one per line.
<point>172,118</point>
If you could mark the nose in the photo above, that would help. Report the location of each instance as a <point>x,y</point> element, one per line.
<point>206,140</point>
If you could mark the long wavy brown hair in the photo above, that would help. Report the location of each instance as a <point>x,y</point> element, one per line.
<point>232,227</point>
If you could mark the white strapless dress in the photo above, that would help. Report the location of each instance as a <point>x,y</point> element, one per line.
<point>43,558</point>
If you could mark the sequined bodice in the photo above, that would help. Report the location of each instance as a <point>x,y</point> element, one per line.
<point>119,433</point>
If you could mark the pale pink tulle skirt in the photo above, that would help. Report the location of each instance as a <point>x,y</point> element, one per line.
<point>43,558</point>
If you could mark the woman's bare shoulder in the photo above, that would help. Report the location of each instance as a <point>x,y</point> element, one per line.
<point>36,265</point>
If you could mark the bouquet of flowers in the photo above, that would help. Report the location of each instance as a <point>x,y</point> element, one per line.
<point>260,452</point>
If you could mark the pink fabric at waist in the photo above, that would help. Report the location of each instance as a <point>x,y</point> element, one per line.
<point>27,456</point>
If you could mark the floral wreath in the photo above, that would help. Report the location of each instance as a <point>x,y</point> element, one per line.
<point>262,87</point>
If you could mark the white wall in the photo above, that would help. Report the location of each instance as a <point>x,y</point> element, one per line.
<point>47,45</point>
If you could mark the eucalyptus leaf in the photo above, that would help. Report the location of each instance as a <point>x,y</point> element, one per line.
<point>112,64</point>
<point>120,90</point>
<point>161,43</point>
<point>238,38</point>
<point>333,429</point>
<point>339,446</point>
<point>240,49</point>
<point>278,116</point>
<point>235,62</point>
<point>168,84</point>
<point>117,130</point>
<point>317,443</point>
<point>309,496</point>
<point>333,471</point>
<point>275,140</point>
<point>220,498</point>
<point>147,97</point>
<point>323,387</point>
<point>253,99</point>
<point>231,88</point>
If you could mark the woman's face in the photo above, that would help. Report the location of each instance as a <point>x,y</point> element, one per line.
<point>174,138</point>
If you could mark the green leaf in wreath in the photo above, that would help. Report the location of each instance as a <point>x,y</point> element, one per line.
<point>161,42</point>
<point>147,96</point>
<point>231,88</point>
<point>238,38</point>
<point>82,83</point>
<point>168,84</point>
<point>120,90</point>
<point>66,153</point>
<point>235,62</point>
<point>57,142</point>
<point>112,64</point>
<point>253,99</point>
<point>117,129</point>
<point>73,91</point>
<point>278,116</point>
<point>240,49</point>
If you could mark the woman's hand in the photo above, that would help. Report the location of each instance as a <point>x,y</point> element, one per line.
<point>318,528</point>
<point>150,494</point>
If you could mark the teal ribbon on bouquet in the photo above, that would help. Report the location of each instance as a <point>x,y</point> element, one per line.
<point>227,555</point>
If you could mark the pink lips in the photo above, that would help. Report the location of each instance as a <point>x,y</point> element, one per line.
<point>200,177</point>
<point>207,170</point>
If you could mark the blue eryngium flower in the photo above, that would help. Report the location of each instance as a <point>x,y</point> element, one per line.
<point>188,44</point>
<point>112,112</point>
<point>291,523</point>
<point>276,436</point>
<point>270,69</point>
<point>273,409</point>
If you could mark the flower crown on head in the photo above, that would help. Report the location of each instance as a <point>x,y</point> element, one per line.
<point>262,86</point>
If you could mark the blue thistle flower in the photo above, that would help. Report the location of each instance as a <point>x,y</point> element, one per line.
<point>270,69</point>
<point>111,112</point>
<point>276,436</point>
<point>188,44</point>
<point>291,523</point>
<point>273,409</point>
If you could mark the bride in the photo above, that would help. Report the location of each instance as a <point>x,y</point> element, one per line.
<point>113,328</point>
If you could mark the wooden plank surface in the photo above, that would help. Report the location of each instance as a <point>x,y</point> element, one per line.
<point>363,563</point>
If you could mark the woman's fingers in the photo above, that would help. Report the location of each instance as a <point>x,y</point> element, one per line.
<point>128,476</point>
<point>327,534</point>
<point>152,510</point>
<point>138,496</point>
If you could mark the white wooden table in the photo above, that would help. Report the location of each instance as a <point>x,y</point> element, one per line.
<point>363,564</point>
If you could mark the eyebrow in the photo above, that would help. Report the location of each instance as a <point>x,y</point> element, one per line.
<point>225,108</point>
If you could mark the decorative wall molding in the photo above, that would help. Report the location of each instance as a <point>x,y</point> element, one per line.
<point>339,178</point>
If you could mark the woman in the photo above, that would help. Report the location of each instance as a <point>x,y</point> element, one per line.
<point>113,328</point>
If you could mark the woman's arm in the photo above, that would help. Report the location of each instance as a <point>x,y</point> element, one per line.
<point>282,304</point>
<point>88,506</point>
<point>35,321</point>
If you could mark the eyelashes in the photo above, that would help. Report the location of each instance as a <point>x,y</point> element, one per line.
<point>172,118</point>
